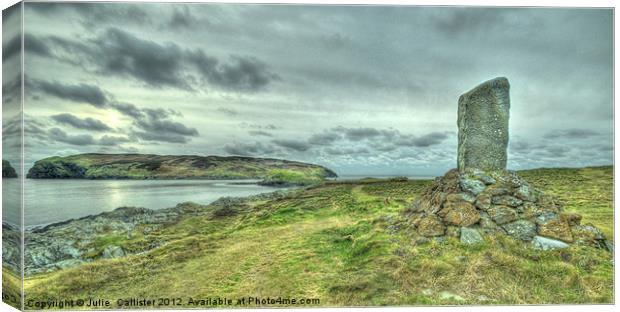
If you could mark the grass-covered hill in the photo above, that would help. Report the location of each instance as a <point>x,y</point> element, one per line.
<point>143,166</point>
<point>347,244</point>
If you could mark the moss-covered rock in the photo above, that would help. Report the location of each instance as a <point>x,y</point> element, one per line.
<point>431,226</point>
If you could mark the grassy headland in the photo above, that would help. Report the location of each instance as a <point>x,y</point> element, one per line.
<point>348,244</point>
<point>143,166</point>
<point>7,170</point>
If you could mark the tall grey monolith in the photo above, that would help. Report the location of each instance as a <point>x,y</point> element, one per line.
<point>483,126</point>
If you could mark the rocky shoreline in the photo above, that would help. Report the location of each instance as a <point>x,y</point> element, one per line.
<point>121,232</point>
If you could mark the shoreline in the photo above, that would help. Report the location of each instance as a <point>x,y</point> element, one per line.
<point>37,227</point>
<point>76,241</point>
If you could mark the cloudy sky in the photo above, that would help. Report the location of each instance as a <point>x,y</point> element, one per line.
<point>360,89</point>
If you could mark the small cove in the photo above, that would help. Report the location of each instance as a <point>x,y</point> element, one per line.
<point>49,201</point>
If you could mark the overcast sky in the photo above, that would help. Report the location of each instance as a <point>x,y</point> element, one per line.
<point>362,90</point>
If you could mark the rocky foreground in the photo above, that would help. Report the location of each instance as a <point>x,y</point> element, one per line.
<point>144,166</point>
<point>78,241</point>
<point>347,243</point>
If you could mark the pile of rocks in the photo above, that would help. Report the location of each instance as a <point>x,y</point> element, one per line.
<point>474,203</point>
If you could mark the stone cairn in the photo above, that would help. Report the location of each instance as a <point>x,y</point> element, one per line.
<point>481,197</point>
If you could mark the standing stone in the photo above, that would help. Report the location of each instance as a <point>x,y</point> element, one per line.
<point>483,126</point>
<point>481,197</point>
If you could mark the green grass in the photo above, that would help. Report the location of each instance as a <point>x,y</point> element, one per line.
<point>308,176</point>
<point>11,288</point>
<point>588,191</point>
<point>349,245</point>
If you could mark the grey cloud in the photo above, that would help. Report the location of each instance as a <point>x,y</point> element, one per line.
<point>108,140</point>
<point>228,111</point>
<point>93,14</point>
<point>155,121</point>
<point>58,135</point>
<point>245,125</point>
<point>429,139</point>
<point>81,123</point>
<point>153,124</point>
<point>325,138</point>
<point>119,53</point>
<point>11,48</point>
<point>11,89</point>
<point>468,20</point>
<point>386,147</point>
<point>81,93</point>
<point>155,127</point>
<point>358,134</point>
<point>182,18</point>
<point>160,137</point>
<point>336,40</point>
<point>241,73</point>
<point>33,127</point>
<point>128,109</point>
<point>295,145</point>
<point>556,151</point>
<point>32,44</point>
<point>573,133</point>
<point>260,133</point>
<point>248,149</point>
<point>385,136</point>
<point>520,146</point>
<point>48,7</point>
<point>339,151</point>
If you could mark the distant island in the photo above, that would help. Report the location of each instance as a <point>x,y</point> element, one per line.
<point>7,170</point>
<point>276,172</point>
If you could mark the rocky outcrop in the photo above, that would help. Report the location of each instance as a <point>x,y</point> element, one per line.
<point>124,231</point>
<point>497,203</point>
<point>7,170</point>
<point>11,242</point>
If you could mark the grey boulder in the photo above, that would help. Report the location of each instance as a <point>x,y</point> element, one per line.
<point>470,236</point>
<point>544,243</point>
